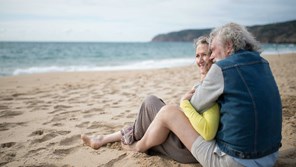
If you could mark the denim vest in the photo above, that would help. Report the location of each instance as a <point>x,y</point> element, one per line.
<point>251,110</point>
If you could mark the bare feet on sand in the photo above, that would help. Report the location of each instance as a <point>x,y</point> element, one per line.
<point>94,142</point>
<point>132,147</point>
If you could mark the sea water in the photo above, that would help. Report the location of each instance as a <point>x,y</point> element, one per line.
<point>40,57</point>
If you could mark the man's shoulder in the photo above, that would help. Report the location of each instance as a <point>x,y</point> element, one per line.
<point>240,57</point>
<point>224,63</point>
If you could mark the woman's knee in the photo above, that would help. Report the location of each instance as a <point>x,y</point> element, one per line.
<point>170,110</point>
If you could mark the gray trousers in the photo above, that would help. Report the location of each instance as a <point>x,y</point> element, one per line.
<point>172,147</point>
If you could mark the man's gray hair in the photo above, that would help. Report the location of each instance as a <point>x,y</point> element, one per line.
<point>200,40</point>
<point>238,35</point>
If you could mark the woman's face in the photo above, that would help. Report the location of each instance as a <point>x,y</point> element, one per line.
<point>202,58</point>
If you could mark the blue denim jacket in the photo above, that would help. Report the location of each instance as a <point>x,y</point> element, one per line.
<point>250,105</point>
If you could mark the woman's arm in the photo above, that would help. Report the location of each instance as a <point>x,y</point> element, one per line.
<point>206,124</point>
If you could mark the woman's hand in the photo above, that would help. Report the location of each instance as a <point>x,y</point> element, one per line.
<point>188,95</point>
<point>202,77</point>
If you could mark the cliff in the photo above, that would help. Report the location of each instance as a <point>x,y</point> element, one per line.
<point>284,32</point>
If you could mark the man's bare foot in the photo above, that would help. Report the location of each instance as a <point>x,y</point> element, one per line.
<point>93,142</point>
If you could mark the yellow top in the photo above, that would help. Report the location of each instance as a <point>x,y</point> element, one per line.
<point>206,124</point>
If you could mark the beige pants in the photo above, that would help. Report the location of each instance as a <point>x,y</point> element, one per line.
<point>172,147</point>
<point>209,155</point>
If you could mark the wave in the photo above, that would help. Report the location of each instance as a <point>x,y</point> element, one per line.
<point>278,52</point>
<point>278,49</point>
<point>147,64</point>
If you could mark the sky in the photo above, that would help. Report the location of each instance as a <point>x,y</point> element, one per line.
<point>129,20</point>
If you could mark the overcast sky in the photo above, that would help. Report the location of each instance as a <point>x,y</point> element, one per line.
<point>129,20</point>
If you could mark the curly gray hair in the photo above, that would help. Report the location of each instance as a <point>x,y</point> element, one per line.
<point>200,40</point>
<point>238,35</point>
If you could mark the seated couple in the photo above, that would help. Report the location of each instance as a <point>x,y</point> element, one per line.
<point>232,118</point>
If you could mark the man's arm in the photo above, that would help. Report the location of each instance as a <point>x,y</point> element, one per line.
<point>209,90</point>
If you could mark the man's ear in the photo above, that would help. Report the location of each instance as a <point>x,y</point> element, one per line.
<point>229,47</point>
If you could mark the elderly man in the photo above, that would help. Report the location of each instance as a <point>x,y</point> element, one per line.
<point>244,87</point>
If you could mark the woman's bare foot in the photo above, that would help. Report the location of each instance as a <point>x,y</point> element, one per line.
<point>132,147</point>
<point>93,142</point>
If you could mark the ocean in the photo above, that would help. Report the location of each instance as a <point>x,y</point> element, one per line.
<point>18,58</point>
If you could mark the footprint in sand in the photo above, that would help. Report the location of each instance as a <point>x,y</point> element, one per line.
<point>54,111</point>
<point>89,115</point>
<point>116,117</point>
<point>7,113</point>
<point>59,107</point>
<point>69,112</point>
<point>7,145</point>
<point>83,124</point>
<point>34,152</point>
<point>3,107</point>
<point>49,136</point>
<point>57,124</point>
<point>57,118</point>
<point>94,110</point>
<point>106,127</point>
<point>63,152</point>
<point>121,115</point>
<point>63,132</point>
<point>95,125</point>
<point>6,158</point>
<point>113,161</point>
<point>90,104</point>
<point>6,126</point>
<point>37,133</point>
<point>6,98</point>
<point>18,94</point>
<point>70,141</point>
<point>45,138</point>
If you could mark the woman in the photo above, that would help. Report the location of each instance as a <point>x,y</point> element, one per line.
<point>172,146</point>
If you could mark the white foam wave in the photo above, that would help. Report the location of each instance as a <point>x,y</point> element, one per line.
<point>277,49</point>
<point>148,64</point>
<point>276,52</point>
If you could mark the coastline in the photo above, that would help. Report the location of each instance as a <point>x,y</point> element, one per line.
<point>43,115</point>
<point>57,57</point>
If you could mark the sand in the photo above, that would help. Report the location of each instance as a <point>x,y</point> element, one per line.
<point>43,115</point>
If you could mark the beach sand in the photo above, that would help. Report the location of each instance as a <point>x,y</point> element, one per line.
<point>43,115</point>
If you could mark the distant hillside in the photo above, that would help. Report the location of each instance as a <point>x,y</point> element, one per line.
<point>284,32</point>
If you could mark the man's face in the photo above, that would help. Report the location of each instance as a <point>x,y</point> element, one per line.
<point>218,52</point>
<point>202,58</point>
